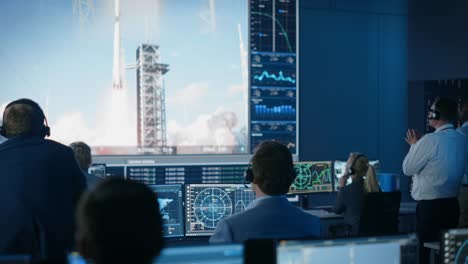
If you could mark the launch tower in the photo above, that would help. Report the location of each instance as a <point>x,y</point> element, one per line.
<point>151,118</point>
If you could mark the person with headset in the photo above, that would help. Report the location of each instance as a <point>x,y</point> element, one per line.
<point>270,215</point>
<point>40,184</point>
<point>437,162</point>
<point>350,197</point>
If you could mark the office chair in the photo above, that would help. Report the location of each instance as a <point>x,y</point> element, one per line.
<point>379,216</point>
<point>380,213</point>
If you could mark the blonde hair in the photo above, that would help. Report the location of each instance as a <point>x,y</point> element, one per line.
<point>362,168</point>
<point>82,154</point>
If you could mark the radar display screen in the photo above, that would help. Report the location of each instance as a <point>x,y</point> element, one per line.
<point>207,204</point>
<point>455,246</point>
<point>340,167</point>
<point>312,177</point>
<point>170,208</point>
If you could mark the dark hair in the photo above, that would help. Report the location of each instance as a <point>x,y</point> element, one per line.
<point>273,168</point>
<point>18,120</point>
<point>82,154</point>
<point>448,109</point>
<point>24,117</point>
<point>123,221</point>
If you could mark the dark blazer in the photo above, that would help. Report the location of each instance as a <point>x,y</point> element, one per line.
<point>349,201</point>
<point>267,217</point>
<point>40,184</point>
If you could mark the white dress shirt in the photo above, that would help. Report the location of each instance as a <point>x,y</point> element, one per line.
<point>464,130</point>
<point>437,162</point>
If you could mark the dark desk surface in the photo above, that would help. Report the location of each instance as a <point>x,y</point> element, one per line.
<point>320,212</point>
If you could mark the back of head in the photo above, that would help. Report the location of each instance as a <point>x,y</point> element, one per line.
<point>361,167</point>
<point>23,117</point>
<point>273,168</point>
<point>82,154</point>
<point>447,108</point>
<point>119,222</point>
<point>464,111</point>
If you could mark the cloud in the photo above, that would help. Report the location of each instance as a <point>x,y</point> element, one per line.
<point>2,109</point>
<point>113,126</point>
<point>208,130</point>
<point>72,127</point>
<point>189,94</point>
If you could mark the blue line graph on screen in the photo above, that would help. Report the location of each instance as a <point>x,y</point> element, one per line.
<point>279,77</point>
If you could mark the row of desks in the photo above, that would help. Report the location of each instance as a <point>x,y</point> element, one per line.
<point>407,219</point>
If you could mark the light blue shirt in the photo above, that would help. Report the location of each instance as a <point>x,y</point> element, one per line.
<point>437,162</point>
<point>464,130</point>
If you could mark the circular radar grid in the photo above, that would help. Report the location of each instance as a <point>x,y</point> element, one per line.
<point>304,176</point>
<point>211,205</point>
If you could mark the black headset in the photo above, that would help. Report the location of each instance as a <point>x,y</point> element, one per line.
<point>43,131</point>
<point>351,169</point>
<point>249,175</point>
<point>434,112</point>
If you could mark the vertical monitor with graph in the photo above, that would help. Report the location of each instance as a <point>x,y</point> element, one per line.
<point>207,204</point>
<point>273,72</point>
<point>171,208</point>
<point>312,177</point>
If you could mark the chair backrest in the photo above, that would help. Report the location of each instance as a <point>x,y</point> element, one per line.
<point>379,214</point>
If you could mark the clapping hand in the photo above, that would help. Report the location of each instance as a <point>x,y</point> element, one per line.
<point>412,136</point>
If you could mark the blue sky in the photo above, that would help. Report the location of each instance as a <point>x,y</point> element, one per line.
<point>46,53</point>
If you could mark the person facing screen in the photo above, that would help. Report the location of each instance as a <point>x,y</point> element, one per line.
<point>83,157</point>
<point>270,215</point>
<point>40,184</point>
<point>119,222</point>
<point>350,197</point>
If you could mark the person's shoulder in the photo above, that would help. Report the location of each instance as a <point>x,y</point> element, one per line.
<point>56,145</point>
<point>231,220</point>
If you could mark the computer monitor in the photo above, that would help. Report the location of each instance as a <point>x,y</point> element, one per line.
<point>207,204</point>
<point>455,246</point>
<point>98,170</point>
<point>312,177</point>
<point>339,168</point>
<point>171,209</point>
<point>227,254</point>
<point>394,249</point>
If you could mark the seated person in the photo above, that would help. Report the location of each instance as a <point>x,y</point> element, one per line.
<point>270,215</point>
<point>351,197</point>
<point>40,185</point>
<point>119,222</point>
<point>83,157</point>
